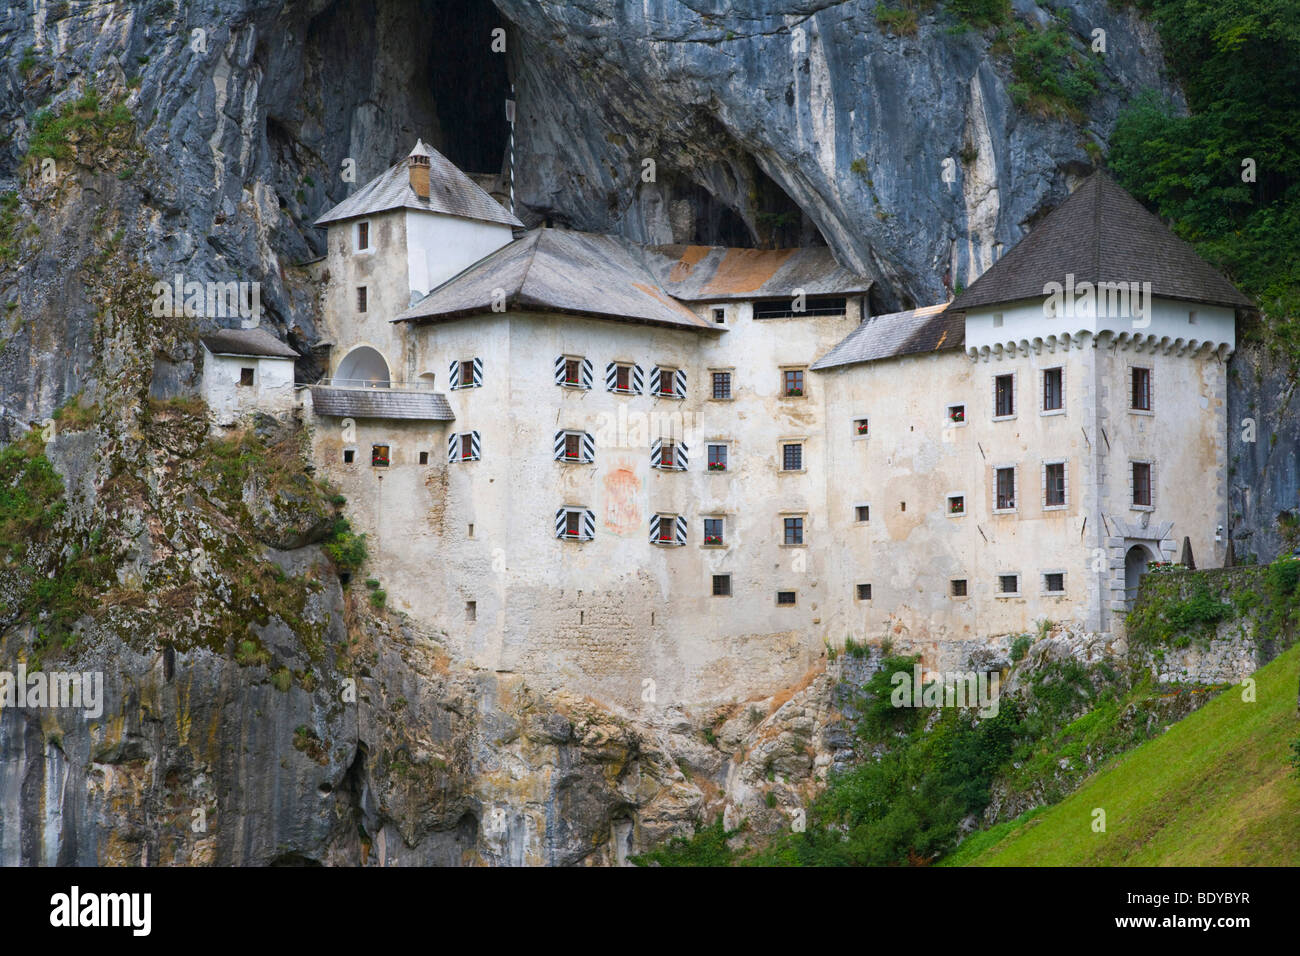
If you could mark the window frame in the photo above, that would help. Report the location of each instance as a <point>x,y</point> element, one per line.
<point>1044,591</point>
<point>859,520</point>
<point>1043,409</point>
<point>1150,465</point>
<point>951,422</point>
<point>1015,489</point>
<point>861,427</point>
<point>793,443</point>
<point>952,589</point>
<point>801,529</point>
<point>387,459</point>
<point>726,577</point>
<point>357,246</point>
<point>1014,397</point>
<point>1065,484</point>
<point>857,593</point>
<point>793,592</point>
<point>722,536</point>
<point>1149,408</point>
<point>949,499</point>
<point>713,384</point>
<point>362,301</point>
<point>252,377</point>
<point>1001,575</point>
<point>802,389</point>
<point>726,456</point>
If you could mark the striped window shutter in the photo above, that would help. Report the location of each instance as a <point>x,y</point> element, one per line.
<point>588,448</point>
<point>654,528</point>
<point>680,534</point>
<point>654,380</point>
<point>656,454</point>
<point>559,445</point>
<point>611,377</point>
<point>638,379</point>
<point>588,525</point>
<point>679,383</point>
<point>559,370</point>
<point>478,371</point>
<point>679,460</point>
<point>475,446</point>
<point>560,521</point>
<point>453,375</point>
<point>453,449</point>
<point>586,373</point>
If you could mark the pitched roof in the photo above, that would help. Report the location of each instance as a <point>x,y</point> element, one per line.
<point>931,329</point>
<point>450,192</point>
<point>558,270</point>
<point>1101,234</point>
<point>380,403</point>
<point>719,273</point>
<point>256,342</point>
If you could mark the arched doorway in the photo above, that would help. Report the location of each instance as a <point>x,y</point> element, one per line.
<point>363,367</point>
<point>1135,565</point>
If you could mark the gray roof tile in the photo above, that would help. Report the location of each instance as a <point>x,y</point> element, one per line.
<point>931,329</point>
<point>253,342</point>
<point>1101,234</point>
<point>450,192</point>
<point>380,403</point>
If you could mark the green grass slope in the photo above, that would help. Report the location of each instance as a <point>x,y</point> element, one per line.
<point>1216,789</point>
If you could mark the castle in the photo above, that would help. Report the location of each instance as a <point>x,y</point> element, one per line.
<point>686,470</point>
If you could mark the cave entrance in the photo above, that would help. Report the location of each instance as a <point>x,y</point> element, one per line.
<point>470,84</point>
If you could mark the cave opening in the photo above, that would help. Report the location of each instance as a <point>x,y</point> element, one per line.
<point>470,84</point>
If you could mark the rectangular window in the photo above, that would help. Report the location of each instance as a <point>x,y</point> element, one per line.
<point>793,531</point>
<point>792,383</point>
<point>785,598</point>
<point>467,373</point>
<point>361,298</point>
<point>722,385</point>
<point>792,457</point>
<point>572,524</point>
<point>1054,484</point>
<point>860,427</point>
<point>864,592</point>
<point>957,587</point>
<point>793,308</point>
<point>956,414</point>
<point>666,379</point>
<point>572,447</point>
<point>1142,484</point>
<point>424,457</point>
<point>997,320</point>
<point>717,457</point>
<point>713,531</point>
<point>1053,397</point>
<point>471,611</point>
<point>1006,489</point>
<point>349,456</point>
<point>1008,584</point>
<point>667,525</point>
<point>1004,396</point>
<point>1142,389</point>
<point>363,235</point>
<point>246,377</point>
<point>1054,582</point>
<point>572,371</point>
<point>720,316</point>
<point>623,380</point>
<point>722,585</point>
<point>956,504</point>
<point>379,456</point>
<point>666,455</point>
<point>862,513</point>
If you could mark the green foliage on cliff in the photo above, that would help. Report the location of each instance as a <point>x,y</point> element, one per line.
<point>31,494</point>
<point>1239,62</point>
<point>84,122</point>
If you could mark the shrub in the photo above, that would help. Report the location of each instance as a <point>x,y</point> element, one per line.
<point>1020,647</point>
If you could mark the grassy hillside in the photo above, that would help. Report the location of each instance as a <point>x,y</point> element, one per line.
<point>1216,789</point>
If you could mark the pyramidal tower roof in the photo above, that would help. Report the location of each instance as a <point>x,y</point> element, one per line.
<point>451,193</point>
<point>1101,234</point>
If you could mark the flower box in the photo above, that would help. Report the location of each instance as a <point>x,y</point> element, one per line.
<point>717,466</point>
<point>862,428</point>
<point>794,393</point>
<point>713,539</point>
<point>957,415</point>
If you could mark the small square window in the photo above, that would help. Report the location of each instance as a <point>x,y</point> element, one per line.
<point>363,235</point>
<point>1053,393</point>
<point>864,592</point>
<point>361,298</point>
<point>379,456</point>
<point>861,427</point>
<point>1008,584</point>
<point>793,531</point>
<point>722,585</point>
<point>722,385</point>
<point>246,377</point>
<point>1141,397</point>
<point>862,513</point>
<point>792,383</point>
<point>792,457</point>
<point>424,457</point>
<point>717,457</point>
<point>720,316</point>
<point>957,587</point>
<point>349,456</point>
<point>956,504</point>
<point>713,531</point>
<point>471,611</point>
<point>786,598</point>
<point>956,414</point>
<point>1054,582</point>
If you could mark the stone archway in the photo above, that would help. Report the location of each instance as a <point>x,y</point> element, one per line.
<point>1136,560</point>
<point>363,367</point>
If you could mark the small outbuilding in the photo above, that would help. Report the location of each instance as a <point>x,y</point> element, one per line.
<point>246,371</point>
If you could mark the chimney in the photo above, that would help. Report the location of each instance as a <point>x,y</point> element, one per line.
<point>418,167</point>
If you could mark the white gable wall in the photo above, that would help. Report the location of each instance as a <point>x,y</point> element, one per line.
<point>439,247</point>
<point>272,389</point>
